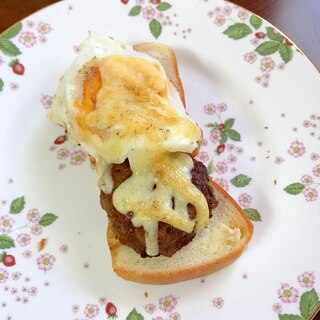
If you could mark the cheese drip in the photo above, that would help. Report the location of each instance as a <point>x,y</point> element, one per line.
<point>148,193</point>
<point>125,111</point>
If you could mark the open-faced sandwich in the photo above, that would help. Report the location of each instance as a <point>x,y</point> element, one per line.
<point>167,220</point>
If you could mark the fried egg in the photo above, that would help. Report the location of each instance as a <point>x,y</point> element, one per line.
<point>118,104</point>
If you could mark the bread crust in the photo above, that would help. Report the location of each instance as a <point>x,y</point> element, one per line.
<point>166,56</point>
<point>197,270</point>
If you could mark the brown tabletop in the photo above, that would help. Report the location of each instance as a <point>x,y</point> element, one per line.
<point>298,19</point>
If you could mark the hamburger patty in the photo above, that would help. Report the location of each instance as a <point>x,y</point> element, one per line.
<point>170,239</point>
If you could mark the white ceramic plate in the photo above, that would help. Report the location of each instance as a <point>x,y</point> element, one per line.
<point>264,91</point>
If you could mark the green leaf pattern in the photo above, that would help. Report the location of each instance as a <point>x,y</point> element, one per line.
<point>135,11</point>
<point>163,6</point>
<point>274,35</point>
<point>289,317</point>
<point>240,180</point>
<point>210,167</point>
<point>227,132</point>
<point>286,52</point>
<point>224,137</point>
<point>252,214</point>
<point>8,48</point>
<point>267,48</point>
<point>47,219</point>
<point>238,31</point>
<point>12,31</point>
<point>268,41</point>
<point>309,302</point>
<point>228,124</point>
<point>213,126</point>
<point>235,31</point>
<point>155,28</point>
<point>255,21</point>
<point>6,242</point>
<point>233,135</point>
<point>155,25</point>
<point>134,315</point>
<point>294,188</point>
<point>17,205</point>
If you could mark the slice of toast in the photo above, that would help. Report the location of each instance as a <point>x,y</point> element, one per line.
<point>213,247</point>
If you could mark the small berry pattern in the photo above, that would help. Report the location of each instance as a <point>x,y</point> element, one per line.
<point>302,295</point>
<point>66,153</point>
<point>270,49</point>
<point>17,67</point>
<point>224,139</point>
<point>164,309</point>
<point>11,237</point>
<point>12,41</point>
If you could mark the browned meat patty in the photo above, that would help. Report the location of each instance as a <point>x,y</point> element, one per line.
<point>170,239</point>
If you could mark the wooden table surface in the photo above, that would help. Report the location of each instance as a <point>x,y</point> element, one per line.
<point>298,19</point>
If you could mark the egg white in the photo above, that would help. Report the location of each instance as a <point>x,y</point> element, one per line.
<point>71,85</point>
<point>96,47</point>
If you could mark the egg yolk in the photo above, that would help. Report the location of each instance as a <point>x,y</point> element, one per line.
<point>91,85</point>
<point>126,98</point>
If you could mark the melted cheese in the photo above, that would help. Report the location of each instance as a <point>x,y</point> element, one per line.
<point>148,193</point>
<point>124,110</point>
<point>132,109</point>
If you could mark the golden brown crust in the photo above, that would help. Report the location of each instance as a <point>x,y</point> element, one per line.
<point>198,270</point>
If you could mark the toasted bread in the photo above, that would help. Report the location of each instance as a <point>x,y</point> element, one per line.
<point>210,251</point>
<point>213,248</point>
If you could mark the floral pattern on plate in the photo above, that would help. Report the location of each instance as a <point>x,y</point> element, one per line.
<point>66,153</point>
<point>227,148</point>
<point>158,15</point>
<point>308,183</point>
<point>12,42</point>
<point>306,298</point>
<point>34,224</point>
<point>307,186</point>
<point>35,258</point>
<point>16,244</point>
<point>164,309</point>
<point>154,12</point>
<point>270,49</point>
